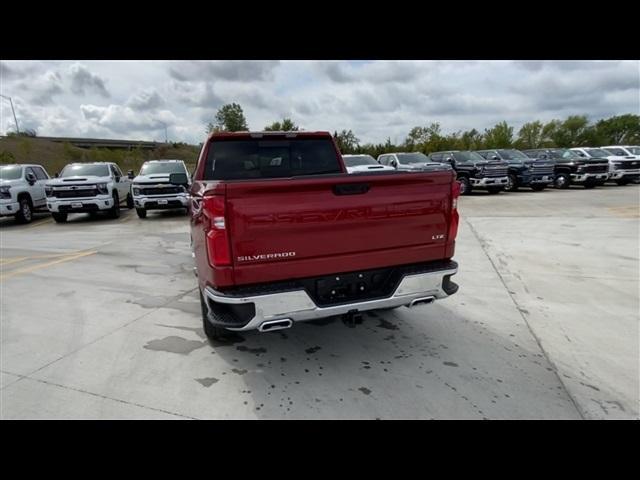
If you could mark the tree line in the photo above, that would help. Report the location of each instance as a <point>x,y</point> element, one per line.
<point>574,131</point>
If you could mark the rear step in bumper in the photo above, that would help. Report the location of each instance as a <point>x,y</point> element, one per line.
<point>281,310</point>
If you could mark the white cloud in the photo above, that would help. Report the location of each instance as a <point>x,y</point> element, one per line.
<point>376,100</point>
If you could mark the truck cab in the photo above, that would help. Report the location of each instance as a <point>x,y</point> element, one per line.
<point>623,169</point>
<point>474,171</point>
<point>571,168</point>
<point>152,188</point>
<point>22,190</point>
<point>89,187</point>
<point>523,171</point>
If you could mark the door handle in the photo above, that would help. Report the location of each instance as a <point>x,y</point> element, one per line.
<point>351,188</point>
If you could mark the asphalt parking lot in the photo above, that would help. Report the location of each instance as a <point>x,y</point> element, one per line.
<point>100,319</point>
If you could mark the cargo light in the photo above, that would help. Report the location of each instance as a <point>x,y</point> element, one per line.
<point>218,249</point>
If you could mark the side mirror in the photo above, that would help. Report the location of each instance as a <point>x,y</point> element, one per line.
<point>56,175</point>
<point>394,164</point>
<point>130,175</point>
<point>495,157</point>
<point>31,178</point>
<point>178,179</point>
<point>449,160</point>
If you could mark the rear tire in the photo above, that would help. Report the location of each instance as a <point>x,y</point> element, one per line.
<point>512,184</point>
<point>538,188</point>
<point>622,181</point>
<point>562,181</point>
<point>114,212</point>
<point>142,213</point>
<point>465,186</point>
<point>129,201</point>
<point>59,217</point>
<point>210,330</point>
<point>494,190</point>
<point>25,211</point>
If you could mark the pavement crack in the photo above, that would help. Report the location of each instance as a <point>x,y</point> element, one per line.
<point>524,318</point>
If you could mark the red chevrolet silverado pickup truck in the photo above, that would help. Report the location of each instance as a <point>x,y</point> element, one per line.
<point>281,233</point>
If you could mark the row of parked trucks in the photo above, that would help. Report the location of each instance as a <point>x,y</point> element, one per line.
<point>509,169</point>
<point>92,188</point>
<point>281,234</point>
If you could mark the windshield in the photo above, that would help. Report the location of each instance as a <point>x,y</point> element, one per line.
<point>10,172</point>
<point>359,160</point>
<point>512,155</point>
<point>468,156</point>
<point>408,158</point>
<point>634,150</point>
<point>616,151</point>
<point>569,154</point>
<point>597,152</point>
<point>162,167</point>
<point>89,169</point>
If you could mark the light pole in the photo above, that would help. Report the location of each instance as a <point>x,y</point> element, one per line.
<point>165,131</point>
<point>14,112</point>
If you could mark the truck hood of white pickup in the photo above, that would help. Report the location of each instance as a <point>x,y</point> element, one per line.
<point>369,168</point>
<point>157,178</point>
<point>79,180</point>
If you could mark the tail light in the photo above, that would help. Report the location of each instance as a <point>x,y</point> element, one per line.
<point>218,248</point>
<point>454,218</point>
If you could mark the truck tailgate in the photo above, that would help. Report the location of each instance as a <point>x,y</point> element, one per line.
<point>296,228</point>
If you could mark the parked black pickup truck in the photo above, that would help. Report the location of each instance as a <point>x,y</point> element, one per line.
<point>571,168</point>
<point>473,171</point>
<point>523,171</point>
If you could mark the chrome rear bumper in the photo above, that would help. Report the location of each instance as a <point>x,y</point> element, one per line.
<point>297,305</point>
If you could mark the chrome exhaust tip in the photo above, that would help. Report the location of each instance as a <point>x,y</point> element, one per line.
<point>421,301</point>
<point>275,325</point>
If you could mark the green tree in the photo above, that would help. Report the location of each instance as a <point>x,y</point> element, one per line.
<point>500,136</point>
<point>530,135</point>
<point>347,141</point>
<point>470,140</point>
<point>286,125</point>
<point>229,118</point>
<point>617,130</point>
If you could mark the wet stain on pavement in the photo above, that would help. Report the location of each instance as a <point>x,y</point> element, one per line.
<point>365,390</point>
<point>590,386</point>
<point>450,364</point>
<point>313,349</point>
<point>207,382</point>
<point>256,351</point>
<point>239,371</point>
<point>174,344</point>
<point>387,325</point>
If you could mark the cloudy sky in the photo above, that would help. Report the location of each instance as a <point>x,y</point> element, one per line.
<point>376,99</point>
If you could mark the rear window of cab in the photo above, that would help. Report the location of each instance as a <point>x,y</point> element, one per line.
<point>245,158</point>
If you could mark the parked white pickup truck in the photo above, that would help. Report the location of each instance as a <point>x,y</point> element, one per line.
<point>622,168</point>
<point>22,191</point>
<point>152,189</point>
<point>88,187</point>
